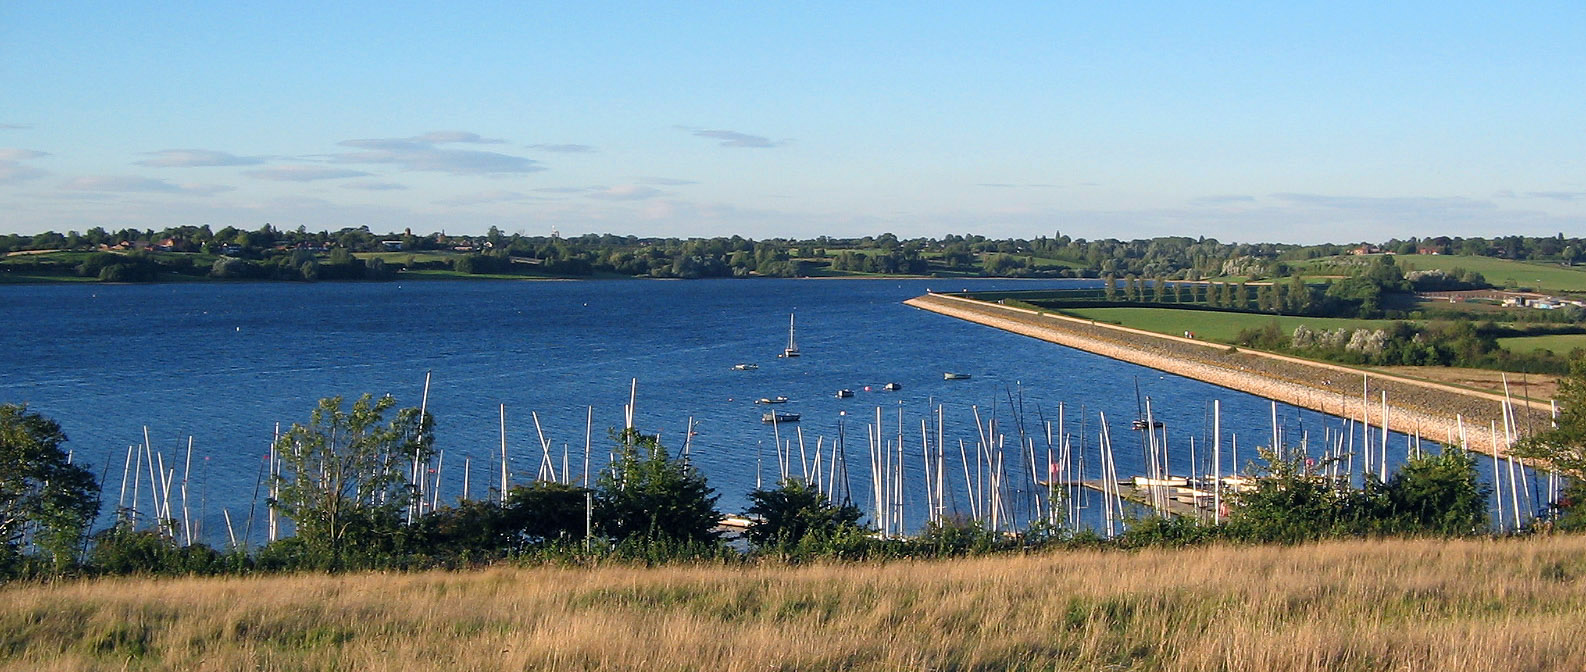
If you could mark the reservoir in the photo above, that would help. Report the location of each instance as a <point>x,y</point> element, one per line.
<point>223,363</point>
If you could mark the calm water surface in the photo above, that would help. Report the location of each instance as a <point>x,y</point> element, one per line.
<point>223,363</point>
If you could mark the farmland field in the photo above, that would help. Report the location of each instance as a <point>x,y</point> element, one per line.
<point>1543,277</point>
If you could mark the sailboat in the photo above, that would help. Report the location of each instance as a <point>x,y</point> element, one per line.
<point>792,349</point>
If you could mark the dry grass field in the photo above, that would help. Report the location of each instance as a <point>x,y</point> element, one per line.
<point>1510,605</point>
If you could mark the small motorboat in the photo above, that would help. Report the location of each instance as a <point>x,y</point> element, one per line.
<point>745,367</point>
<point>845,393</point>
<point>771,400</point>
<point>1141,425</point>
<point>779,416</point>
<point>955,376</point>
<point>892,387</point>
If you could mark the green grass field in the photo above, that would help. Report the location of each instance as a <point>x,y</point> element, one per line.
<point>1210,325</point>
<point>1558,343</point>
<point>1503,272</point>
<point>1544,277</point>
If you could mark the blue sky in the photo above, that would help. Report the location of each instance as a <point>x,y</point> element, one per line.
<point>1305,122</point>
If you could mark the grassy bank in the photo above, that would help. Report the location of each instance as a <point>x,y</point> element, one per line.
<point>1361,605</point>
<point>1210,325</point>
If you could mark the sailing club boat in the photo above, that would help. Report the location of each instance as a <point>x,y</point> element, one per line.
<point>792,349</point>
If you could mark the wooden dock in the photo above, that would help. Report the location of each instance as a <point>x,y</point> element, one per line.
<point>1173,499</point>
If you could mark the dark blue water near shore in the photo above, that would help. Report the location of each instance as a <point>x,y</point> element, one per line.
<point>224,362</point>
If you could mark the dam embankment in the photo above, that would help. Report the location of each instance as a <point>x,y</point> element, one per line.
<point>1434,411</point>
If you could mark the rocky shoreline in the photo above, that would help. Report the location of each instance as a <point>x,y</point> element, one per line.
<point>1436,412</point>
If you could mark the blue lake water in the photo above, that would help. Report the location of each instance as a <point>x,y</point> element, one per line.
<point>223,363</point>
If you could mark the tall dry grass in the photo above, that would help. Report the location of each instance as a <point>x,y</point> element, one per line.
<point>1511,605</point>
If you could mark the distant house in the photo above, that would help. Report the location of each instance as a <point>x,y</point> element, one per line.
<point>1427,250</point>
<point>1366,249</point>
<point>391,245</point>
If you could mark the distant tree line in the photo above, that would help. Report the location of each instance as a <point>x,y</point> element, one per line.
<point>277,253</point>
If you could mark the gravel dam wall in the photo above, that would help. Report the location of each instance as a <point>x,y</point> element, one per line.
<point>1437,412</point>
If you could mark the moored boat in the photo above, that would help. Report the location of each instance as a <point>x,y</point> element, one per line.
<point>955,376</point>
<point>845,393</point>
<point>792,349</point>
<point>771,400</point>
<point>892,387</point>
<point>779,416</point>
<point>745,367</point>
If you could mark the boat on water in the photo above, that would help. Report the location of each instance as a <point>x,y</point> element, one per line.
<point>955,376</point>
<point>892,387</point>
<point>771,400</point>
<point>792,349</point>
<point>845,393</point>
<point>779,416</point>
<point>745,367</point>
<point>1141,425</point>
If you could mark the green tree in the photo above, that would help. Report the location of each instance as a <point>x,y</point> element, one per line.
<point>795,510</point>
<point>342,481</point>
<point>1110,287</point>
<point>1299,296</point>
<point>1438,494</point>
<point>650,496</point>
<point>46,502</point>
<point>1291,501</point>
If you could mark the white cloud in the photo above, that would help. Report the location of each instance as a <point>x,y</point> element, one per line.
<point>1559,195</point>
<point>131,183</point>
<point>193,158</point>
<point>15,154</point>
<point>303,173</point>
<point>1223,199</point>
<point>439,137</point>
<point>736,139</point>
<point>484,198</point>
<point>626,192</point>
<point>666,181</point>
<point>12,172</point>
<point>420,153</point>
<point>375,186</point>
<point>564,149</point>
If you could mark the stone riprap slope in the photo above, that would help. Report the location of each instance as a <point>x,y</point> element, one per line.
<point>1432,409</point>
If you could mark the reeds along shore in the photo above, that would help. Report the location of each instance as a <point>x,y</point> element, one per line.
<point>1437,413</point>
<point>1473,605</point>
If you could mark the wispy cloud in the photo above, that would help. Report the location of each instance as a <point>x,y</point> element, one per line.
<point>1559,195</point>
<point>131,183</point>
<point>1223,199</point>
<point>626,192</point>
<point>484,198</point>
<point>12,172</point>
<point>303,173</point>
<point>734,138</point>
<point>14,154</point>
<point>1388,204</point>
<point>15,127</point>
<point>375,186</point>
<point>421,153</point>
<point>665,181</point>
<point>564,190</point>
<point>439,137</point>
<point>565,149</point>
<point>195,158</point>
